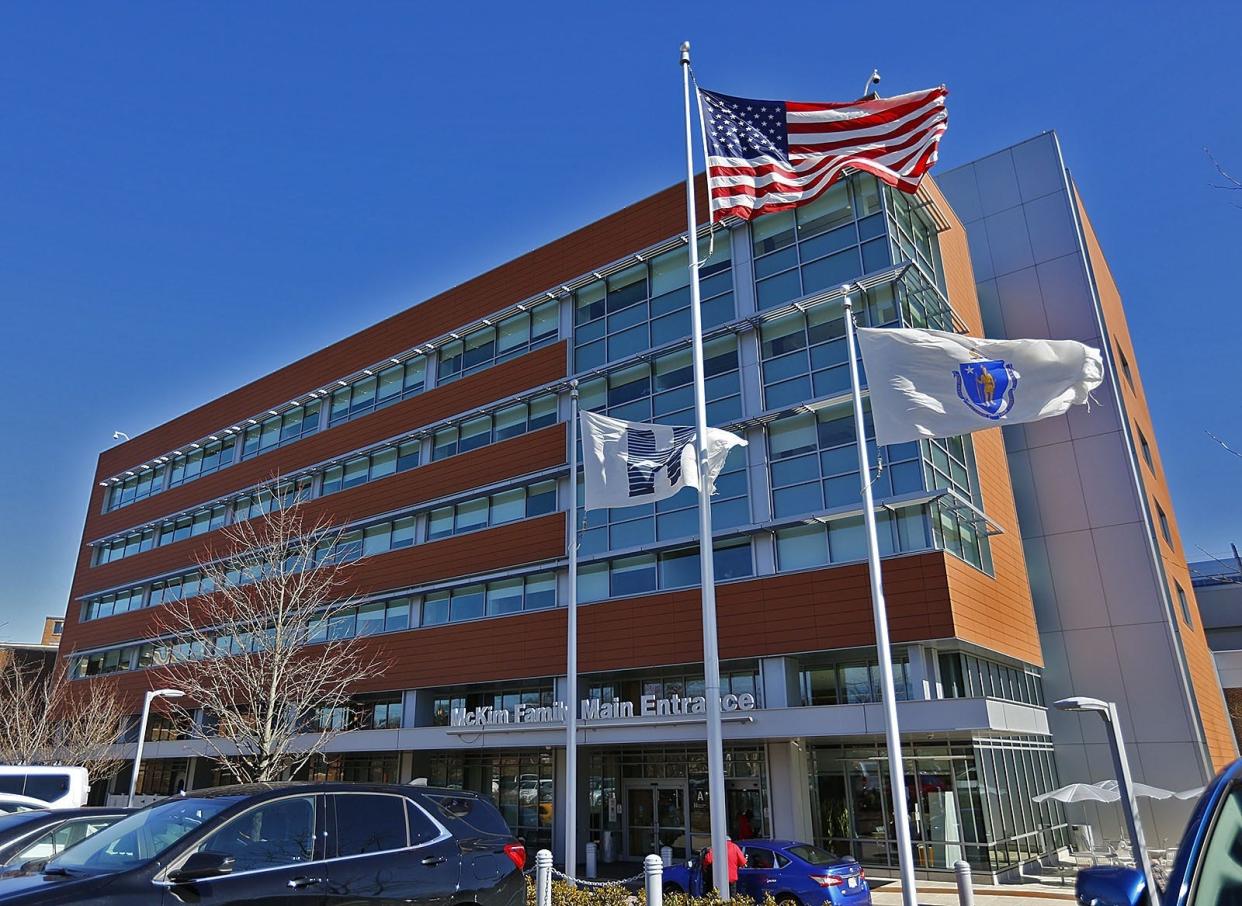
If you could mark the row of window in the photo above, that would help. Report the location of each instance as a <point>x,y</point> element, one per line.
<point>511,421</point>
<point>967,676</point>
<point>488,510</point>
<point>646,573</point>
<point>181,468</point>
<point>648,304</point>
<point>853,683</point>
<point>277,430</point>
<point>511,337</point>
<point>467,602</point>
<point>505,697</point>
<point>903,530</point>
<point>375,391</point>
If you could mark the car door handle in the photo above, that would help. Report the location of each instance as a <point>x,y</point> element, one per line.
<point>299,883</point>
<point>435,860</point>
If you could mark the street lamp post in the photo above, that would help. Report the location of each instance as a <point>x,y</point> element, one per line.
<point>151,695</point>
<point>1125,786</point>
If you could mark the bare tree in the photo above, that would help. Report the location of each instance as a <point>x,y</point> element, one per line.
<point>1231,183</point>
<point>46,718</point>
<point>256,656</point>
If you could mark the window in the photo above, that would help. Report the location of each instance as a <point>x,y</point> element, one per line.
<point>1144,448</point>
<point>914,233</point>
<point>277,833</point>
<point>813,462</point>
<point>1124,363</point>
<point>645,573</point>
<point>1164,524</point>
<point>367,394</point>
<point>648,304</point>
<point>513,336</point>
<point>54,842</point>
<point>486,429</point>
<point>368,823</point>
<point>834,239</point>
<point>1183,603</point>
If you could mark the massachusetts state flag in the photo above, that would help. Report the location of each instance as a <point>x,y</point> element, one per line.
<point>930,383</point>
<point>628,463</point>
<point>765,156</point>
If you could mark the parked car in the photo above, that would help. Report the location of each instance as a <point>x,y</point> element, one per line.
<point>10,804</point>
<point>301,843</point>
<point>40,834</point>
<point>1207,870</point>
<point>794,873</point>
<point>59,786</point>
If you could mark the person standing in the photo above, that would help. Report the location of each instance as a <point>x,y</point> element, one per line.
<point>736,859</point>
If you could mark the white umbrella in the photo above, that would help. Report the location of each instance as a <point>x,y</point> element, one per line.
<point>1139,789</point>
<point>1078,792</point>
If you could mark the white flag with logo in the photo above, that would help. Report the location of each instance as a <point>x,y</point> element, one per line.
<point>628,463</point>
<point>929,383</point>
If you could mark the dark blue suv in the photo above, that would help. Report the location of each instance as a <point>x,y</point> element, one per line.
<point>794,873</point>
<point>318,844</point>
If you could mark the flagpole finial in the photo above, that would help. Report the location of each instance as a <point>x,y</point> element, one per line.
<point>685,53</point>
<point>573,388</point>
<point>845,296</point>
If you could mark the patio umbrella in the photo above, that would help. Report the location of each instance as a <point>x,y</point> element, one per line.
<point>1140,789</point>
<point>1078,792</point>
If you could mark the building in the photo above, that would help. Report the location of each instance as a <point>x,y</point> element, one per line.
<point>438,436</point>
<point>1218,591</point>
<point>40,656</point>
<point>1113,598</point>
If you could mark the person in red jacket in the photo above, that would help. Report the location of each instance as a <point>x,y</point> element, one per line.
<point>737,859</point>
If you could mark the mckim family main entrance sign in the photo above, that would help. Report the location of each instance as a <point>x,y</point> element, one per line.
<point>596,709</point>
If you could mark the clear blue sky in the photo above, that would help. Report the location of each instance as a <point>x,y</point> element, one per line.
<point>194,194</point>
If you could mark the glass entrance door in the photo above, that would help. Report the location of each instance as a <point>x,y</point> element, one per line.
<point>655,816</point>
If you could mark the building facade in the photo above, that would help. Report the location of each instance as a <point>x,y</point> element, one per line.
<point>1218,593</point>
<point>1113,598</point>
<point>437,439</point>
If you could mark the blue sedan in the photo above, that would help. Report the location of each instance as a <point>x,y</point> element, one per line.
<point>797,874</point>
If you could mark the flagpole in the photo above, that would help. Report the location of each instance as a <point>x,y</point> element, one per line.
<point>896,772</point>
<point>707,571</point>
<point>571,655</point>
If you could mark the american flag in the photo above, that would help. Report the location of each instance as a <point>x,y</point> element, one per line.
<point>765,156</point>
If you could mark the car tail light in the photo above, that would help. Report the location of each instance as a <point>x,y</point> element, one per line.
<point>826,880</point>
<point>516,852</point>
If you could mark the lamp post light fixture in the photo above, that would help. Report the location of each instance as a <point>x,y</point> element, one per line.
<point>151,695</point>
<point>1125,786</point>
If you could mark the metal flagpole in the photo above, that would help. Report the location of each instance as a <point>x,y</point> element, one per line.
<point>707,571</point>
<point>571,657</point>
<point>896,773</point>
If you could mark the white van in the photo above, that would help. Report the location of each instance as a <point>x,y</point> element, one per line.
<point>59,786</point>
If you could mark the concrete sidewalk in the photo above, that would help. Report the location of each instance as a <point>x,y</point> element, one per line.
<point>941,893</point>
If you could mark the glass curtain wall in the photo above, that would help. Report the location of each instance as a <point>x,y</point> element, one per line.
<point>968,800</point>
<point>519,782</point>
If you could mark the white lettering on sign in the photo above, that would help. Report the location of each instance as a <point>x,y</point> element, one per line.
<point>598,709</point>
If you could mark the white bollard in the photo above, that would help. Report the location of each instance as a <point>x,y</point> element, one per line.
<point>666,856</point>
<point>965,890</point>
<point>653,879</point>
<point>543,878</point>
<point>591,851</point>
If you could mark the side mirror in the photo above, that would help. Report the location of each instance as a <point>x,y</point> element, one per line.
<point>202,865</point>
<point>1111,887</point>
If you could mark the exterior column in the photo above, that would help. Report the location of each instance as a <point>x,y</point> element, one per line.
<point>789,790</point>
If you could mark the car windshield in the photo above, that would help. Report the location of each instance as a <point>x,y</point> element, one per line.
<point>813,855</point>
<point>139,837</point>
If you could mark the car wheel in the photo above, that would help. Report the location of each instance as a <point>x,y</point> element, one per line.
<point>788,899</point>
<point>670,889</point>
